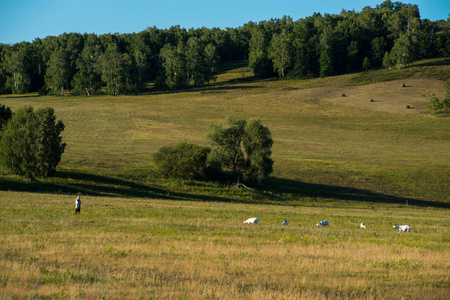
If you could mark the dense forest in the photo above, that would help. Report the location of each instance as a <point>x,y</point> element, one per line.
<point>391,34</point>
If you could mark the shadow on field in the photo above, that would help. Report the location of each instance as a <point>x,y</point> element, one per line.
<point>214,88</point>
<point>96,185</point>
<point>279,185</point>
<point>22,96</point>
<point>443,62</point>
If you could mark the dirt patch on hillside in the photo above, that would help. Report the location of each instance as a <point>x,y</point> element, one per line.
<point>398,96</point>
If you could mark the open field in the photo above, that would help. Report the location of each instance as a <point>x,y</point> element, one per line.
<point>344,159</point>
<point>128,248</point>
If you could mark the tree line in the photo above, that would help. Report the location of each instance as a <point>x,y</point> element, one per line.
<point>391,34</point>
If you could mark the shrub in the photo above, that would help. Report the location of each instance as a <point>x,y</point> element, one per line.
<point>435,103</point>
<point>184,161</point>
<point>5,115</point>
<point>366,64</point>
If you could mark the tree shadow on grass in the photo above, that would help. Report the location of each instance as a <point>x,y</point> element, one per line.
<point>96,185</point>
<point>74,183</point>
<point>280,186</point>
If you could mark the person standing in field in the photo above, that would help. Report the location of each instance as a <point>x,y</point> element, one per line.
<point>77,205</point>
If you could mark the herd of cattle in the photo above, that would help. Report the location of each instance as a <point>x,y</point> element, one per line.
<point>406,228</point>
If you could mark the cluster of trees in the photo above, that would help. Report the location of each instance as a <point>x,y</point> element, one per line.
<point>389,34</point>
<point>392,33</point>
<point>30,141</point>
<point>240,150</point>
<point>117,63</point>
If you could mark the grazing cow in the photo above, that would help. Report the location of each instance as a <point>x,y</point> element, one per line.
<point>285,223</point>
<point>402,228</point>
<point>323,223</point>
<point>251,221</point>
<point>362,225</point>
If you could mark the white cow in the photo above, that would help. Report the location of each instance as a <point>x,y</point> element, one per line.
<point>285,223</point>
<point>251,221</point>
<point>402,227</point>
<point>323,223</point>
<point>362,225</point>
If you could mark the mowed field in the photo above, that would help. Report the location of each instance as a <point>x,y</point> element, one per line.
<point>345,159</point>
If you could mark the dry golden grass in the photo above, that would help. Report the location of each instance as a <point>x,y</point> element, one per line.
<point>387,96</point>
<point>120,248</point>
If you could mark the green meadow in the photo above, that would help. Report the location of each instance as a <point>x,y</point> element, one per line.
<point>345,159</point>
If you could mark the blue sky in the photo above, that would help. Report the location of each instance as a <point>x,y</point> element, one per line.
<point>25,20</point>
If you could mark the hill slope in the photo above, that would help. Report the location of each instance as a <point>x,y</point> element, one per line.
<point>326,147</point>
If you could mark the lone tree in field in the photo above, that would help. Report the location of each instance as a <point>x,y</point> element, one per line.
<point>242,147</point>
<point>31,144</point>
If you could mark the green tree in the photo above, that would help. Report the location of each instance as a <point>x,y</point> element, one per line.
<point>212,62</point>
<point>110,66</point>
<point>404,51</point>
<point>366,64</point>
<point>435,103</point>
<point>16,64</point>
<point>242,147</point>
<point>259,61</point>
<point>378,48</point>
<point>326,65</point>
<point>227,143</point>
<point>57,77</point>
<point>195,61</point>
<point>352,55</point>
<point>173,70</point>
<point>5,115</point>
<point>31,144</point>
<point>446,100</point>
<point>280,52</point>
<point>183,161</point>
<point>87,79</point>
<point>387,62</point>
<point>306,42</point>
<point>257,147</point>
<point>141,64</point>
<point>129,75</point>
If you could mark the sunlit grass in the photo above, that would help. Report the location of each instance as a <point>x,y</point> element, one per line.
<point>128,248</point>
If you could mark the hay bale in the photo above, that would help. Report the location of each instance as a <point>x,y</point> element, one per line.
<point>403,85</point>
<point>408,107</point>
<point>371,100</point>
<point>343,95</point>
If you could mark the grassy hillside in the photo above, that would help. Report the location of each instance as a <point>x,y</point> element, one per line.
<point>326,147</point>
